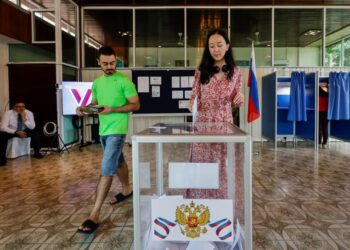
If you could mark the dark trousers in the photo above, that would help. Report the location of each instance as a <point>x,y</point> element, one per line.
<point>323,128</point>
<point>4,137</point>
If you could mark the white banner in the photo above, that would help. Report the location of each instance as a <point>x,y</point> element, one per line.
<point>192,220</point>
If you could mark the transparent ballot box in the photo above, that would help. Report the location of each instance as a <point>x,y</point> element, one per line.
<point>192,187</point>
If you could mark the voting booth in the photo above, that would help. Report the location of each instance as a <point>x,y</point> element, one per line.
<point>192,187</point>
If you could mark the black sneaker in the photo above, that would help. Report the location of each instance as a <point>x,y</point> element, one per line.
<point>38,156</point>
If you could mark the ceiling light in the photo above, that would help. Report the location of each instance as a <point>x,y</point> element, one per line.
<point>312,32</point>
<point>124,33</point>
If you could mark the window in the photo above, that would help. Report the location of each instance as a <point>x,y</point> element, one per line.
<point>337,37</point>
<point>251,26</point>
<point>108,27</point>
<point>299,37</point>
<point>159,38</point>
<point>199,22</point>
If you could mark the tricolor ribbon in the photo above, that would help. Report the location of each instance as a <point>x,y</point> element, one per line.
<point>163,223</point>
<point>221,224</point>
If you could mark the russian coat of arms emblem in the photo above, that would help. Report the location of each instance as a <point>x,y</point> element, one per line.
<point>192,219</point>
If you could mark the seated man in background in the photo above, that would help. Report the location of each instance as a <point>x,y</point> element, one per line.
<point>18,122</point>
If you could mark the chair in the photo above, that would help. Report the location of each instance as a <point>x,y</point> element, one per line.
<point>17,147</point>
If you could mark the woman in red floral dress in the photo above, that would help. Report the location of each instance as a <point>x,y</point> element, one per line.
<point>217,85</point>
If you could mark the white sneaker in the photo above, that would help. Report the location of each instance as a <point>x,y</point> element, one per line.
<point>324,146</point>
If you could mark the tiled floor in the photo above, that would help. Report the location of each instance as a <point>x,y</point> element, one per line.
<point>301,200</point>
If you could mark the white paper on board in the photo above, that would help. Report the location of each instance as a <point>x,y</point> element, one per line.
<point>175,82</point>
<point>143,84</point>
<point>177,94</point>
<point>190,81</point>
<point>184,82</point>
<point>156,80</point>
<point>188,94</point>
<point>155,91</point>
<point>183,104</point>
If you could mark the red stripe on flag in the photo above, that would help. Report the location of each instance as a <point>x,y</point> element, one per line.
<point>253,113</point>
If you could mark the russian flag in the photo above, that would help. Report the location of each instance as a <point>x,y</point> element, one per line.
<point>253,104</point>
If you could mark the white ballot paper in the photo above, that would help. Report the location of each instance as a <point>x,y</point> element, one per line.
<point>194,110</point>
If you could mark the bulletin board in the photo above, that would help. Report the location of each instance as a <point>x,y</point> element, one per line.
<point>163,91</point>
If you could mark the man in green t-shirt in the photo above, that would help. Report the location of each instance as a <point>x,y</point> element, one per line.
<point>116,96</point>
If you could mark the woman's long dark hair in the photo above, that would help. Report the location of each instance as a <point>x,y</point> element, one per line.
<point>207,63</point>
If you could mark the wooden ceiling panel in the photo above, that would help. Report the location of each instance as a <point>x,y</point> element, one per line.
<point>209,2</point>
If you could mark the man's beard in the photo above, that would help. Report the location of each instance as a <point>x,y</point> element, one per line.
<point>109,71</point>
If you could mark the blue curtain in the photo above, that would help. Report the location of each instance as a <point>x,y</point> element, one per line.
<point>297,104</point>
<point>339,95</point>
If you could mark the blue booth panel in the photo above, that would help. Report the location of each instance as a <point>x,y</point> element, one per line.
<point>284,127</point>
<point>306,130</point>
<point>283,101</point>
<point>340,129</point>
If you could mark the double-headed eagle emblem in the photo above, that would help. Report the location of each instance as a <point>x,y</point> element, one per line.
<point>192,219</point>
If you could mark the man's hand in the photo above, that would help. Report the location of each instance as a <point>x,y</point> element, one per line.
<point>78,111</point>
<point>23,116</point>
<point>106,110</point>
<point>21,134</point>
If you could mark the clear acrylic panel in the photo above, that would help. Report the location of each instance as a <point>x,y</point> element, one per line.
<point>221,144</point>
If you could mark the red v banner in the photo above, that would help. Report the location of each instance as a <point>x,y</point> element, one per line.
<point>81,98</point>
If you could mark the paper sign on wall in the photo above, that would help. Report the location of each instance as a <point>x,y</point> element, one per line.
<point>183,104</point>
<point>143,84</point>
<point>155,91</point>
<point>156,80</point>
<point>175,82</point>
<point>177,94</point>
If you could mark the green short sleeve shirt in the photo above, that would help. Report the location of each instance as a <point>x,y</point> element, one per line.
<point>113,91</point>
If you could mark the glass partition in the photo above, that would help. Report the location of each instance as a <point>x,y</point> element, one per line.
<point>159,38</point>
<point>43,26</point>
<point>337,37</point>
<point>251,26</point>
<point>298,34</point>
<point>108,27</point>
<point>31,53</point>
<point>69,32</point>
<point>199,22</point>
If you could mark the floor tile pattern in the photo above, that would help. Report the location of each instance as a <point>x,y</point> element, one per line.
<point>301,200</point>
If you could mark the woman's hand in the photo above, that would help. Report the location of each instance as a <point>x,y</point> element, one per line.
<point>238,99</point>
